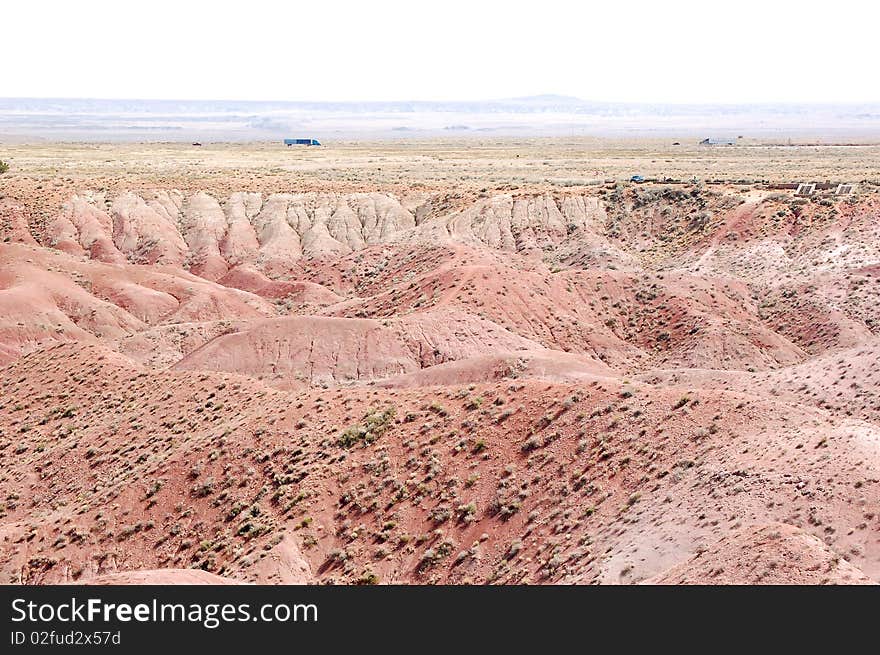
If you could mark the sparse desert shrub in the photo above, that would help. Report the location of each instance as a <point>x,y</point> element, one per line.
<point>3,167</point>
<point>503,507</point>
<point>372,426</point>
<point>368,578</point>
<point>205,489</point>
<point>530,444</point>
<point>467,513</point>
<point>154,488</point>
<point>474,403</point>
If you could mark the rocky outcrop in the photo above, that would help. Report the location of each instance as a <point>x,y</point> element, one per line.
<point>210,235</point>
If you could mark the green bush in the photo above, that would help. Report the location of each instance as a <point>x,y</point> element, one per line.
<point>3,167</point>
<point>371,428</point>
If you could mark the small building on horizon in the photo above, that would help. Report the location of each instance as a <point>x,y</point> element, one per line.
<point>805,189</point>
<point>715,141</point>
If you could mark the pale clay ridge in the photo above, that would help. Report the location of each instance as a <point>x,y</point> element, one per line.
<point>325,350</point>
<point>209,236</point>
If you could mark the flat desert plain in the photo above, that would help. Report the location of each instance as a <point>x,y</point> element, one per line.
<point>445,361</point>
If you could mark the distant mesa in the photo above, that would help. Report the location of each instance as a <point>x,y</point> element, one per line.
<point>548,99</point>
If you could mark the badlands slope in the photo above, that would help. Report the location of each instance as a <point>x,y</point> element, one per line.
<point>655,384</point>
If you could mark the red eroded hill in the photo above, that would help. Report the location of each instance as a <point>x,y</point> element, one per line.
<point>505,481</point>
<point>658,384</point>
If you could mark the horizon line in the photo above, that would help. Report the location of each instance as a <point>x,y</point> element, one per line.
<point>548,97</point>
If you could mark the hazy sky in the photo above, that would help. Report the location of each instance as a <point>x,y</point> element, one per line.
<point>635,50</point>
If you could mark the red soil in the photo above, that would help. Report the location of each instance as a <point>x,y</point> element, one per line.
<point>642,386</point>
